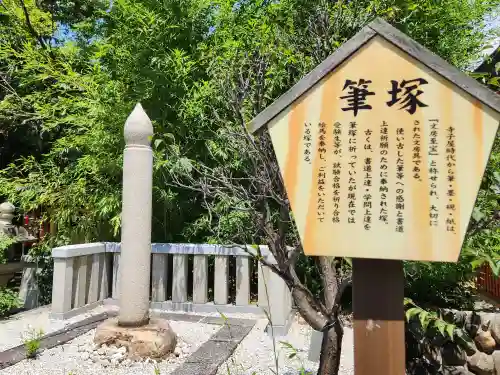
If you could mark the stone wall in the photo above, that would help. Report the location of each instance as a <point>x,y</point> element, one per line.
<point>429,352</point>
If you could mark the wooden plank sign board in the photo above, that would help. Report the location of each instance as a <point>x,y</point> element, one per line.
<point>382,149</point>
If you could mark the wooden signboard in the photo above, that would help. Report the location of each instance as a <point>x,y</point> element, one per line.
<point>382,156</point>
<point>382,148</point>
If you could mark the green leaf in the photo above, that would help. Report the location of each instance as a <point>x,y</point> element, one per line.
<point>287,344</point>
<point>477,263</point>
<point>440,325</point>
<point>495,81</point>
<point>463,336</point>
<point>408,301</point>
<point>477,214</point>
<point>158,142</point>
<point>450,329</point>
<point>412,312</point>
<point>423,318</point>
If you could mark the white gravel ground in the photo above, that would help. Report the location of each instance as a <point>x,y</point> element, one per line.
<point>13,328</point>
<point>69,359</point>
<point>255,354</point>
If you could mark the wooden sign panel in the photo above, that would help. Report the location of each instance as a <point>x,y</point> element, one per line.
<point>383,158</point>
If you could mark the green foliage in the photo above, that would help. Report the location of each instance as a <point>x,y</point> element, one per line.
<point>440,284</point>
<point>32,340</point>
<point>292,352</point>
<point>5,243</point>
<point>76,100</point>
<point>8,301</point>
<point>429,319</point>
<point>195,65</point>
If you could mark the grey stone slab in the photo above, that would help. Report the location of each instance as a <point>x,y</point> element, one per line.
<point>231,333</point>
<point>209,368</point>
<point>242,322</point>
<point>212,351</point>
<point>179,317</point>
<point>74,312</point>
<point>225,309</point>
<point>315,346</point>
<point>197,308</point>
<point>232,322</point>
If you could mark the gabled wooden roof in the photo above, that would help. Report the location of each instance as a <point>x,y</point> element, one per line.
<point>397,38</point>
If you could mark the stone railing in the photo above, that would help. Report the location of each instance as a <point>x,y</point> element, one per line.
<point>87,275</point>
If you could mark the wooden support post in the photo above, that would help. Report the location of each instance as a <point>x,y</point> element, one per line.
<point>379,332</point>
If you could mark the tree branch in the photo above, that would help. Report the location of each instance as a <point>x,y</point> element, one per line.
<point>32,30</point>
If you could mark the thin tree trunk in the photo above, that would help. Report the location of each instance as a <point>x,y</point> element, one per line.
<point>331,348</point>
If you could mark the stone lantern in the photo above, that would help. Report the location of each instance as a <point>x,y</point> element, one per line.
<point>16,260</point>
<point>6,215</point>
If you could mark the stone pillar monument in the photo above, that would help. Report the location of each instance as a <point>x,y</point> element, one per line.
<point>133,329</point>
<point>135,262</point>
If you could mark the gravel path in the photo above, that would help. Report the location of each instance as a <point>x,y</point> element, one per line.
<point>255,353</point>
<point>73,357</point>
<point>13,328</point>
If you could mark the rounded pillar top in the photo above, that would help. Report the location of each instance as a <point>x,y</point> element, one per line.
<point>138,127</point>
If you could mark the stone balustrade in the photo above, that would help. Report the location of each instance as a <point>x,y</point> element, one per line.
<point>87,275</point>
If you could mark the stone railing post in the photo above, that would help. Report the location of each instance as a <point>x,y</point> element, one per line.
<point>274,297</point>
<point>62,287</point>
<point>135,262</point>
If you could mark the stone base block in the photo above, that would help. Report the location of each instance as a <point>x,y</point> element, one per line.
<point>154,340</point>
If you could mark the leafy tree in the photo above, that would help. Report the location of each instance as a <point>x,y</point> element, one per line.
<point>202,70</point>
<point>78,96</point>
<point>256,52</point>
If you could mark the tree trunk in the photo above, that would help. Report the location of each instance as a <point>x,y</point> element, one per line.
<point>331,348</point>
